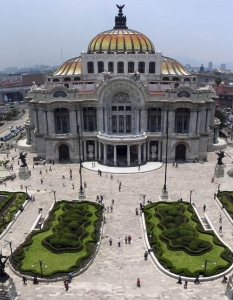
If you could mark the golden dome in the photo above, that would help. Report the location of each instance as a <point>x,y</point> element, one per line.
<point>72,66</point>
<point>121,40</point>
<point>170,66</point>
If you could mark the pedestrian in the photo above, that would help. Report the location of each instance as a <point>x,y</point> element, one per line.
<point>53,162</point>
<point>196,281</point>
<point>215,195</point>
<point>63,176</point>
<point>35,280</point>
<point>40,172</point>
<point>145,255</point>
<point>33,198</point>
<point>173,164</point>
<point>111,207</point>
<point>138,167</point>
<point>41,181</point>
<point>18,164</point>
<point>204,207</point>
<point>185,284</point>
<point>220,219</point>
<point>70,171</point>
<point>32,167</point>
<point>126,239</point>
<point>70,176</point>
<point>46,170</point>
<point>224,279</point>
<point>179,280</point>
<point>66,284</point>
<point>129,239</point>
<point>136,210</point>
<point>220,229</point>
<point>24,280</point>
<point>70,276</point>
<point>110,241</point>
<point>112,201</point>
<point>119,242</point>
<point>73,185</point>
<point>138,282</point>
<point>111,177</point>
<point>50,169</point>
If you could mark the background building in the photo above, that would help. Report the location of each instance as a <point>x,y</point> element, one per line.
<point>123,98</point>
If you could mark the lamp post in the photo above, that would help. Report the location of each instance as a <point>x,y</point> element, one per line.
<point>205,265</point>
<point>9,243</point>
<point>41,269</point>
<point>164,194</point>
<point>81,189</point>
<point>144,198</point>
<point>190,196</point>
<point>54,195</point>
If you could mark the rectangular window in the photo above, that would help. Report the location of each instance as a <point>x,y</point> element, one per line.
<point>85,122</point>
<point>64,124</point>
<point>58,122</point>
<point>120,108</point>
<point>114,123</point>
<point>153,123</point>
<point>91,122</point>
<point>179,124</point>
<point>128,123</point>
<point>114,108</point>
<point>128,108</point>
<point>121,123</point>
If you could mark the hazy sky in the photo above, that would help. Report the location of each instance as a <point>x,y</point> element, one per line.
<point>35,31</point>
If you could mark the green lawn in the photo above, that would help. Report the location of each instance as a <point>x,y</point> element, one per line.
<point>57,262</point>
<point>178,260</point>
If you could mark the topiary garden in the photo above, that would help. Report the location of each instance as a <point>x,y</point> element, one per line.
<point>181,244</point>
<point>226,198</point>
<point>66,243</point>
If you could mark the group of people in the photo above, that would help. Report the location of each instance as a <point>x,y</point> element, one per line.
<point>197,281</point>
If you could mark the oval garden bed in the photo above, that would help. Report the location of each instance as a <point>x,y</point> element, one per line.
<point>180,243</point>
<point>66,243</point>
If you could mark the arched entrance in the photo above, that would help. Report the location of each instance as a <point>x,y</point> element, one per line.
<point>64,153</point>
<point>180,152</point>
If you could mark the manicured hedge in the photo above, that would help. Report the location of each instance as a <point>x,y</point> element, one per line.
<point>178,234</point>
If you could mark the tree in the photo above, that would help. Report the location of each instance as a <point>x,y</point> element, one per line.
<point>218,80</point>
<point>221,116</point>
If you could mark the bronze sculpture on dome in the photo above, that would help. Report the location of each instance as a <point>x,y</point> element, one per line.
<point>120,7</point>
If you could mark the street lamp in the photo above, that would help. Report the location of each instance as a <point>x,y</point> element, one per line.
<point>9,243</point>
<point>81,189</point>
<point>54,195</point>
<point>164,190</point>
<point>40,263</point>
<point>205,265</point>
<point>190,196</point>
<point>144,198</point>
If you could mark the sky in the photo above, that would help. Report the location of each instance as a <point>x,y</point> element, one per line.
<point>50,32</point>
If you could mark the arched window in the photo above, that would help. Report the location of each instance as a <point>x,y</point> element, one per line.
<point>111,67</point>
<point>151,67</point>
<point>67,79</point>
<point>175,79</point>
<point>120,67</point>
<point>90,67</point>
<point>186,79</point>
<point>130,67</point>
<point>141,67</point>
<point>165,78</point>
<point>77,78</point>
<point>100,65</point>
<point>56,80</point>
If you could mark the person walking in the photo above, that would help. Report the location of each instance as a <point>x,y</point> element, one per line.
<point>145,255</point>
<point>110,241</point>
<point>185,284</point>
<point>179,280</point>
<point>129,239</point>
<point>204,207</point>
<point>224,279</point>
<point>111,207</point>
<point>220,229</point>
<point>119,242</point>
<point>24,280</point>
<point>66,284</point>
<point>220,219</point>
<point>126,239</point>
<point>138,282</point>
<point>196,281</point>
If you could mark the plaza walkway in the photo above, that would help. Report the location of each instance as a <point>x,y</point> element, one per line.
<point>115,269</point>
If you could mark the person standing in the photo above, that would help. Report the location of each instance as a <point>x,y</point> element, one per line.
<point>24,280</point>
<point>110,241</point>
<point>204,207</point>
<point>185,284</point>
<point>66,284</point>
<point>220,219</point>
<point>119,242</point>
<point>138,282</point>
<point>129,239</point>
<point>145,255</point>
<point>220,229</point>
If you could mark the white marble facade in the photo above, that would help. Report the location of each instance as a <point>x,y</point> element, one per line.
<point>122,115</point>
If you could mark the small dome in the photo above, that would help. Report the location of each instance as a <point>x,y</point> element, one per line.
<point>121,40</point>
<point>170,66</point>
<point>72,66</point>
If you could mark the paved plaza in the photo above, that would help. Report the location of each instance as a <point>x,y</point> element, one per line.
<point>115,269</point>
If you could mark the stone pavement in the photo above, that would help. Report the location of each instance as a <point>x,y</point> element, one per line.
<point>115,269</point>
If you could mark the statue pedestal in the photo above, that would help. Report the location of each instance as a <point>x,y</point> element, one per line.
<point>24,173</point>
<point>82,195</point>
<point>219,171</point>
<point>164,195</point>
<point>7,288</point>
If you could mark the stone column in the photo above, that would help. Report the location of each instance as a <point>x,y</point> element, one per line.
<point>171,121</point>
<point>51,123</point>
<point>148,150</point>
<point>137,120</point>
<point>128,155</point>
<point>139,155</point>
<point>73,125</point>
<point>144,152</point>
<point>96,152</point>
<point>198,121</point>
<point>45,123</point>
<point>159,150</point>
<point>100,153</point>
<point>105,120</point>
<point>27,135</point>
<point>105,154</point>
<point>115,155</point>
<point>100,126</point>
<point>85,149</point>
<point>143,120</point>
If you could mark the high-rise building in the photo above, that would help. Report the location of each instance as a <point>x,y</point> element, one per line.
<point>210,66</point>
<point>223,66</point>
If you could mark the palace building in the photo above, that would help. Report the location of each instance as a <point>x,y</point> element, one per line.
<point>122,100</point>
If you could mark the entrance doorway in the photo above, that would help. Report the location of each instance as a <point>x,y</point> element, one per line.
<point>64,153</point>
<point>122,150</point>
<point>180,152</point>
